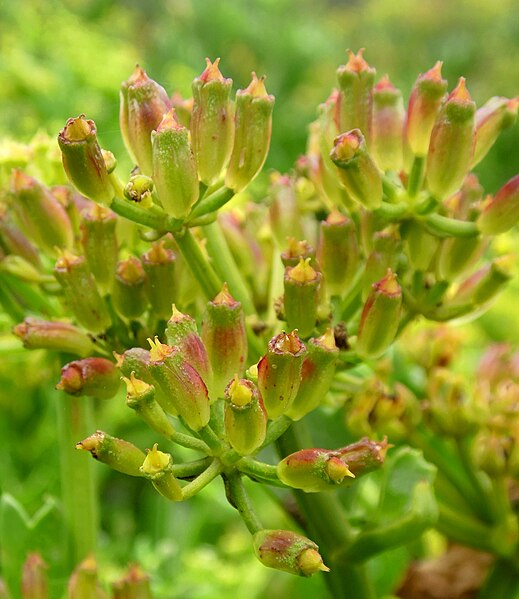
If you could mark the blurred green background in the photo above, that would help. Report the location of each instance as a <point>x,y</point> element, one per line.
<point>64,58</point>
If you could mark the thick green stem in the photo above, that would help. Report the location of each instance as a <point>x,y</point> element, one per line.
<point>212,202</point>
<point>211,439</point>
<point>190,469</point>
<point>189,442</point>
<point>391,212</point>
<point>275,429</point>
<point>238,498</point>
<point>203,479</point>
<point>462,528</point>
<point>501,583</point>
<point>75,422</point>
<point>449,227</point>
<point>260,471</point>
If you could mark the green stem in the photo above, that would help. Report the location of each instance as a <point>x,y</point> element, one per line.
<point>211,439</point>
<point>259,471</point>
<point>212,202</point>
<point>275,429</point>
<point>189,442</point>
<point>416,176</point>
<point>462,528</point>
<point>75,421</point>
<point>191,469</point>
<point>239,499</point>
<point>391,212</point>
<point>449,227</point>
<point>202,480</point>
<point>501,583</point>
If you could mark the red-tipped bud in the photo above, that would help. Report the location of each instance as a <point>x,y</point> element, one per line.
<point>486,283</point>
<point>364,456</point>
<point>388,122</point>
<point>301,297</point>
<point>95,377</point>
<point>13,241</point>
<point>129,293</point>
<point>135,585</point>
<point>34,578</point>
<point>120,455</point>
<point>157,467</point>
<point>58,336</point>
<point>84,581</point>
<point>501,213</point>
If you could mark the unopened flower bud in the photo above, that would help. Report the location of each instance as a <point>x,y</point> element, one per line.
<point>457,255</point>
<point>212,122</point>
<point>284,214</point>
<point>94,377</point>
<point>182,385</point>
<point>58,336</point>
<point>288,551</point>
<point>388,122</point>
<point>224,336</point>
<point>364,456</point>
<point>297,250</point>
<point>279,373</point>
<point>34,578</point>
<point>120,455</point>
<point>486,283</point>
<point>313,470</point>
<point>174,167</point>
<point>83,161</point>
<point>135,585</point>
<point>81,292</point>
<point>129,292</point>
<point>357,170</point>
<point>356,80</point>
<point>452,141</point>
<point>84,582</point>
<point>501,213</point>
<point>13,241</point>
<point>40,214</point>
<point>159,266</point>
<point>301,298</point>
<point>380,317</point>
<point>99,242</point>
<point>421,245</point>
<point>252,134</point>
<point>384,255</point>
<point>424,103</point>
<point>139,189</point>
<point>317,374</point>
<point>157,467</point>
<point>143,104</point>
<point>245,416</point>
<point>338,252</point>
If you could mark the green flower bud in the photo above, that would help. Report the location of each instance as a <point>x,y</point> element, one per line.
<point>81,292</point>
<point>356,80</point>
<point>174,167</point>
<point>279,373</point>
<point>34,578</point>
<point>421,245</point>
<point>301,298</point>
<point>501,213</point>
<point>224,336</point>
<point>94,377</point>
<point>380,317</point>
<point>384,255</point>
<point>252,134</point>
<point>83,161</point>
<point>140,396</point>
<point>129,292</point>
<point>357,171</point>
<point>284,214</point>
<point>159,266</point>
<point>338,252</point>
<point>40,214</point>
<point>288,551</point>
<point>497,114</point>
<point>457,255</point>
<point>297,251</point>
<point>13,241</point>
<point>99,242</point>
<point>451,146</point>
<point>364,456</point>
<point>120,455</point>
<point>485,284</point>
<point>135,585</point>
<point>157,467</point>
<point>143,104</point>
<point>138,190</point>
<point>182,385</point>
<point>245,416</point>
<point>313,470</point>
<point>388,123</point>
<point>317,374</point>
<point>84,583</point>
<point>58,336</point>
<point>424,103</point>
<point>212,122</point>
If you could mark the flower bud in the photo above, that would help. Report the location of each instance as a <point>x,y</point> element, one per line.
<point>301,298</point>
<point>356,80</point>
<point>317,374</point>
<point>83,583</point>
<point>424,103</point>
<point>34,578</point>
<point>457,255</point>
<point>81,292</point>
<point>174,167</point>
<point>181,332</point>
<point>224,336</point>
<point>13,241</point>
<point>288,551</point>
<point>421,245</point>
<point>497,114</point>
<point>40,214</point>
<point>212,122</point>
<point>357,170</point>
<point>297,251</point>
<point>380,317</point>
<point>245,416</point>
<point>120,455</point>
<point>143,104</point>
<point>58,336</point>
<point>252,134</point>
<point>140,396</point>
<point>182,385</point>
<point>284,214</point>
<point>135,585</point>
<point>129,292</point>
<point>159,266</point>
<point>279,373</point>
<point>493,453</point>
<point>486,283</point>
<point>338,252</point>
<point>452,141</point>
<point>364,456</point>
<point>83,161</point>
<point>501,213</point>
<point>388,122</point>
<point>313,470</point>
<point>157,467</point>
<point>139,189</point>
<point>94,377</point>
<point>99,242</point>
<point>384,255</point>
